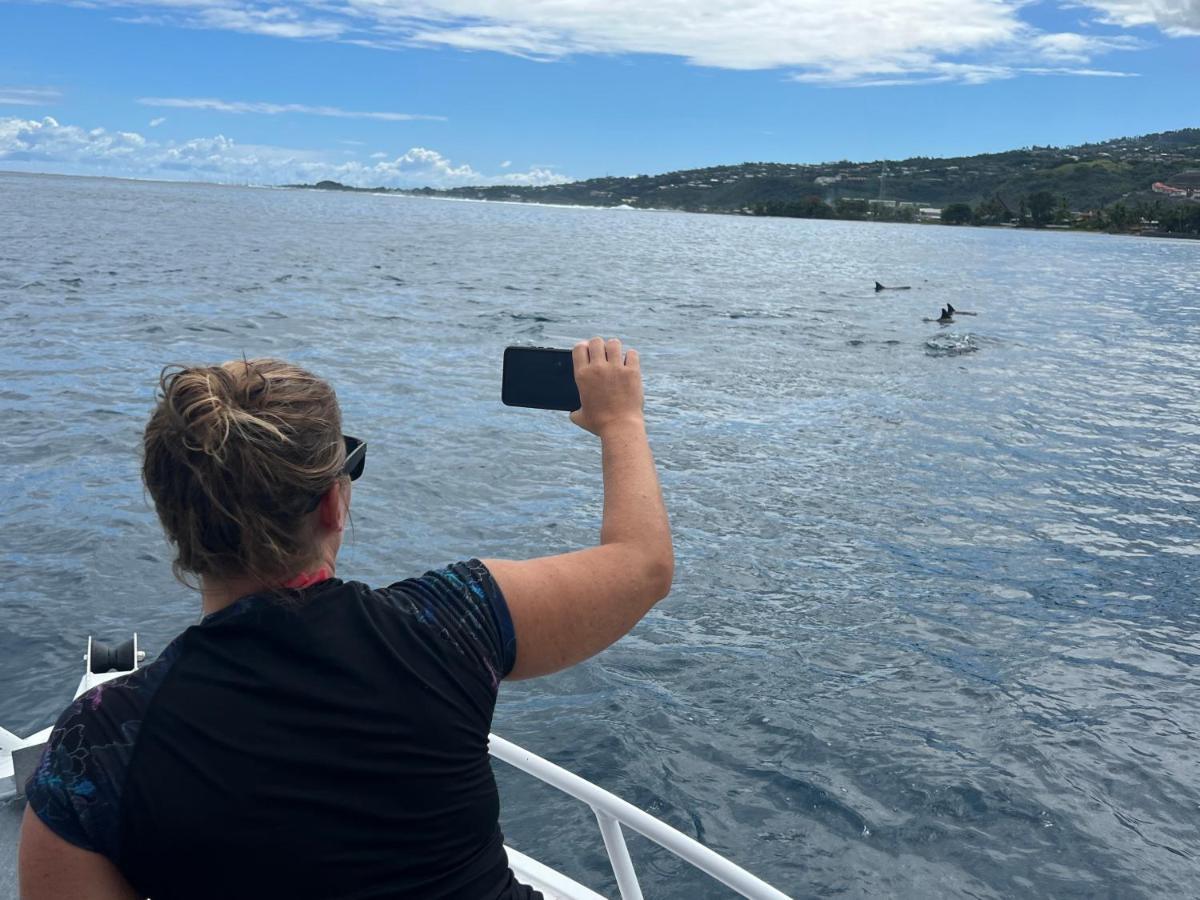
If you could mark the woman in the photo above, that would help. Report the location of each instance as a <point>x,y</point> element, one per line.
<point>313,737</point>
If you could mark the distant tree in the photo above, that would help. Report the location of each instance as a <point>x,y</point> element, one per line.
<point>1023,213</point>
<point>1041,208</point>
<point>1188,220</point>
<point>1147,213</point>
<point>807,208</point>
<point>850,208</point>
<point>991,212</point>
<point>813,207</point>
<point>957,214</point>
<point>1119,217</point>
<point>1175,219</point>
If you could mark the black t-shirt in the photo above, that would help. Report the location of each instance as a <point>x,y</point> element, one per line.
<point>331,742</point>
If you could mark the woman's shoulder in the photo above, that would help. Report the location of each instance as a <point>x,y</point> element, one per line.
<point>466,580</point>
<point>459,605</point>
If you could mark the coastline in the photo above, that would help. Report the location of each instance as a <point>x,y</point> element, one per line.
<point>417,194</point>
<point>412,193</point>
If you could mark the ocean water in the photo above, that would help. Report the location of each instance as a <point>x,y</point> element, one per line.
<point>934,631</point>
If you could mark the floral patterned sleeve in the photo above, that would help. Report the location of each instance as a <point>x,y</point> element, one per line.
<point>463,605</point>
<point>76,788</point>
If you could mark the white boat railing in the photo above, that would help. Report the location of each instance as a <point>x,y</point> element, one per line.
<point>612,812</point>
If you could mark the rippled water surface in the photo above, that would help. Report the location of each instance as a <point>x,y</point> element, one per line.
<point>934,627</point>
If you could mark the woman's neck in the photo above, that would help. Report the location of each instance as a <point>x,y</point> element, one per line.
<point>218,593</point>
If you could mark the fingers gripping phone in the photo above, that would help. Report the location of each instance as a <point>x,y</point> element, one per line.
<point>539,378</point>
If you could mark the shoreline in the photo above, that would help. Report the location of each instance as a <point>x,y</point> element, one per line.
<point>410,193</point>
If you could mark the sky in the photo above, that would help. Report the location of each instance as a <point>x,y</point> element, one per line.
<point>409,93</point>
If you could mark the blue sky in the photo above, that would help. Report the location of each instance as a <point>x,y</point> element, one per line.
<point>445,92</point>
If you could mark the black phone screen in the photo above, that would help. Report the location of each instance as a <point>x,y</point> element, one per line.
<point>539,377</point>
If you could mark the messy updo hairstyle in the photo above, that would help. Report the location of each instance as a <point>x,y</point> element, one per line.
<point>235,456</point>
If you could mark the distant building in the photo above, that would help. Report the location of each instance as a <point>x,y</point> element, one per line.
<point>929,214</point>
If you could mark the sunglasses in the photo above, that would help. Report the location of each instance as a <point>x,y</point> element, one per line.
<point>356,457</point>
<point>356,461</point>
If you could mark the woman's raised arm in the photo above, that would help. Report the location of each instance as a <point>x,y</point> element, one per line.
<point>568,607</point>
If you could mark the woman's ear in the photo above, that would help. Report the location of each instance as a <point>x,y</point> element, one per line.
<point>335,506</point>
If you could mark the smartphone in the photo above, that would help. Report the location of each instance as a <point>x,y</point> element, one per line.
<point>539,378</point>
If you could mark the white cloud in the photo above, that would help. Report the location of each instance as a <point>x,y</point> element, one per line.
<point>1086,73</point>
<point>506,164</point>
<point>426,163</point>
<point>912,69</point>
<point>46,140</point>
<point>46,145</point>
<point>765,34</point>
<point>273,20</point>
<point>27,96</point>
<point>1178,18</point>
<point>534,176</point>
<point>1067,47</point>
<point>928,71</point>
<point>154,123</point>
<point>849,42</point>
<point>1030,53</point>
<point>241,107</point>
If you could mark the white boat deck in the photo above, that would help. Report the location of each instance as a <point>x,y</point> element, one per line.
<point>552,883</point>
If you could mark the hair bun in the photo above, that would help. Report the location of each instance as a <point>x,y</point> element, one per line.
<point>208,404</point>
<point>249,387</point>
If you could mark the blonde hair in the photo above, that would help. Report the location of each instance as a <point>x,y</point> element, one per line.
<point>234,456</point>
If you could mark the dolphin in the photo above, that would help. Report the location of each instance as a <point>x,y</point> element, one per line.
<point>879,287</point>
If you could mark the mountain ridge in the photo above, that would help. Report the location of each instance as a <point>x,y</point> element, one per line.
<point>1082,177</point>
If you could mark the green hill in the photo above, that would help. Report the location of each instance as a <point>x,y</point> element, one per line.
<point>1080,178</point>
<point>1089,176</point>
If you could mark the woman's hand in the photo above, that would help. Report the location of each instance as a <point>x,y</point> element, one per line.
<point>610,385</point>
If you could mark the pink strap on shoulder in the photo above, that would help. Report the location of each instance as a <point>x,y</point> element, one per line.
<point>304,579</point>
